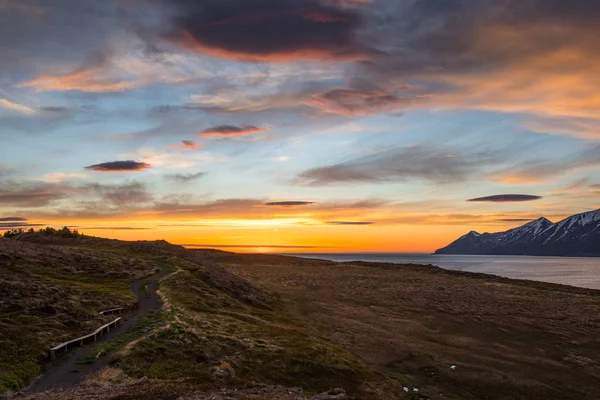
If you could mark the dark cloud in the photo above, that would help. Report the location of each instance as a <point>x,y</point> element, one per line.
<point>350,222</point>
<point>185,178</point>
<point>18,225</point>
<point>266,30</point>
<point>13,219</point>
<point>364,98</point>
<point>119,166</point>
<point>417,162</point>
<point>52,33</point>
<point>506,198</point>
<point>55,109</point>
<point>132,193</point>
<point>289,203</point>
<point>595,186</point>
<point>230,131</point>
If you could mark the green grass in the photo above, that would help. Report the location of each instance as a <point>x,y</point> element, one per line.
<point>261,345</point>
<point>149,322</point>
<point>207,324</point>
<point>42,305</point>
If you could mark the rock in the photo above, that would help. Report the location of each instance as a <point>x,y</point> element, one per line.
<point>224,373</point>
<point>145,379</point>
<point>332,394</point>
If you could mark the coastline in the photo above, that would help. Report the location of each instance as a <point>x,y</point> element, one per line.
<point>570,271</point>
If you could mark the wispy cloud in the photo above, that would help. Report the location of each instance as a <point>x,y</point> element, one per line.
<point>57,177</point>
<point>132,193</point>
<point>185,178</point>
<point>440,165</point>
<point>13,219</point>
<point>290,204</point>
<point>187,145</point>
<point>31,195</point>
<point>358,223</point>
<point>20,108</point>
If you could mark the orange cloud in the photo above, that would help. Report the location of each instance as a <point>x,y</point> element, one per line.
<point>187,145</point>
<point>11,106</point>
<point>353,102</point>
<point>283,56</point>
<point>224,131</point>
<point>89,80</point>
<point>562,80</point>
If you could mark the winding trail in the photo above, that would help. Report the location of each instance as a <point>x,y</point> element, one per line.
<point>69,371</point>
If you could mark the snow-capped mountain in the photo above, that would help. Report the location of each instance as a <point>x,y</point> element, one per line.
<point>578,235</point>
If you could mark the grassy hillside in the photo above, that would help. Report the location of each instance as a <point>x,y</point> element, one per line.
<point>49,294</point>
<point>239,322</point>
<point>210,320</point>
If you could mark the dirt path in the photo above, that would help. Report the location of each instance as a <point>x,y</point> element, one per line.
<point>70,371</point>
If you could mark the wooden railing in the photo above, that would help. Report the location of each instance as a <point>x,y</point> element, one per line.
<point>82,339</point>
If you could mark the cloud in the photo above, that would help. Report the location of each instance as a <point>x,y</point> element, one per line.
<point>291,204</point>
<point>14,225</point>
<point>266,30</point>
<point>532,56</point>
<point>133,193</point>
<point>187,145</point>
<point>185,178</point>
<point>586,128</point>
<point>31,195</point>
<point>20,108</point>
<point>350,222</point>
<point>280,158</point>
<point>224,131</point>
<point>401,164</point>
<point>506,198</point>
<point>119,166</point>
<point>13,219</point>
<point>539,170</point>
<point>223,207</point>
<point>57,177</point>
<point>366,100</point>
<point>117,66</point>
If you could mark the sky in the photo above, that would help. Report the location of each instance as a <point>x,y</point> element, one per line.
<point>298,125</point>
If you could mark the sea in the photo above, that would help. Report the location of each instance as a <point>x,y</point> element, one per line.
<point>574,271</point>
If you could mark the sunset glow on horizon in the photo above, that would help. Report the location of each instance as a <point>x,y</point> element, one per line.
<point>298,125</point>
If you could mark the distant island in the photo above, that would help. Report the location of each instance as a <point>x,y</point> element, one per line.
<point>576,236</point>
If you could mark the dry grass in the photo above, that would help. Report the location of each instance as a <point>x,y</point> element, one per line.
<point>506,339</point>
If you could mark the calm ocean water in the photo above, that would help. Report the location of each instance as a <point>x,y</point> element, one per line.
<point>582,272</point>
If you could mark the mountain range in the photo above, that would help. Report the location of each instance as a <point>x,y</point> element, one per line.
<point>577,235</point>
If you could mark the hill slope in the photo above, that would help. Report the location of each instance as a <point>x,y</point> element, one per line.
<point>210,317</point>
